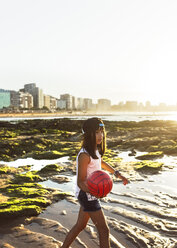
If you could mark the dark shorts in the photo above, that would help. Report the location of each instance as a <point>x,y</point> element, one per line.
<point>88,206</point>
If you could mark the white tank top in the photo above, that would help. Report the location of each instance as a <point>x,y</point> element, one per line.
<point>95,164</point>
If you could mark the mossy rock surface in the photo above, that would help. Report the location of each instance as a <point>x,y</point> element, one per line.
<point>39,201</point>
<point>4,169</point>
<point>27,177</point>
<point>151,155</point>
<point>111,157</point>
<point>148,166</point>
<point>25,167</point>
<point>18,211</point>
<point>25,190</point>
<point>48,154</point>
<point>169,149</point>
<point>51,168</point>
<point>167,143</point>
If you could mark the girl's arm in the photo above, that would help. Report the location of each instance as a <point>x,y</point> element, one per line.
<point>116,173</point>
<point>83,162</point>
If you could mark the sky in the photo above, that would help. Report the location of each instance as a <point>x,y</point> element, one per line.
<point>122,50</point>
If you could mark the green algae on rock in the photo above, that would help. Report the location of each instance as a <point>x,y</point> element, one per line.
<point>39,201</point>
<point>27,199</point>
<point>17,211</point>
<point>150,155</point>
<point>23,200</point>
<point>4,169</point>
<point>47,155</point>
<point>169,149</point>
<point>111,157</point>
<point>27,177</point>
<point>25,190</point>
<point>148,166</point>
<point>23,207</point>
<point>53,168</point>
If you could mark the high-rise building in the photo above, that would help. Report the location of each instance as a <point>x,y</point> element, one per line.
<point>88,104</point>
<point>77,103</point>
<point>131,105</point>
<point>26,100</point>
<point>53,103</point>
<point>4,98</point>
<point>74,103</point>
<point>37,94</point>
<point>15,98</point>
<point>21,99</point>
<point>29,87</point>
<point>47,101</point>
<point>68,99</point>
<point>104,104</point>
<point>80,103</point>
<point>61,104</point>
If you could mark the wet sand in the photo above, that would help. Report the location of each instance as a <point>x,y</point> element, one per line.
<point>141,214</point>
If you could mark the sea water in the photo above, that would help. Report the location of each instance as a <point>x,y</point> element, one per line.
<point>112,116</point>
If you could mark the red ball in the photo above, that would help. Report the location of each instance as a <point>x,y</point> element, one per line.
<point>99,183</point>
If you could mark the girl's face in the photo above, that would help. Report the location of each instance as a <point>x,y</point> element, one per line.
<point>99,136</point>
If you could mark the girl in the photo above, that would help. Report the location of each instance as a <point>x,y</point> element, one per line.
<point>88,160</point>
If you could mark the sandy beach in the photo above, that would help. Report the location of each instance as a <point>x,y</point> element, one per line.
<point>52,114</point>
<point>138,216</point>
<point>141,214</point>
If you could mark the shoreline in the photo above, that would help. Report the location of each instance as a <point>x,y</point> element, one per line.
<point>58,114</point>
<point>106,116</point>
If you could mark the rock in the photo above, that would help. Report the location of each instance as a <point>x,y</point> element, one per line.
<point>148,166</point>
<point>151,155</point>
<point>51,168</point>
<point>167,143</point>
<point>6,245</point>
<point>63,212</point>
<point>132,153</point>
<point>60,179</point>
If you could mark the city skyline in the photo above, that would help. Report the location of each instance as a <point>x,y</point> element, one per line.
<point>120,103</point>
<point>118,50</point>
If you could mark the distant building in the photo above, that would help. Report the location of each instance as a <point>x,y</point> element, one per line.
<point>50,102</point>
<point>131,105</point>
<point>15,98</point>
<point>4,98</point>
<point>26,100</point>
<point>21,99</point>
<point>38,98</point>
<point>47,101</point>
<point>61,104</point>
<point>68,99</point>
<point>29,87</point>
<point>37,94</point>
<point>74,103</point>
<point>80,103</point>
<point>88,104</point>
<point>141,106</point>
<point>162,106</point>
<point>104,104</point>
<point>148,106</point>
<point>53,103</point>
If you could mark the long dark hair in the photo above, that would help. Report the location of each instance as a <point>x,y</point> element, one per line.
<point>90,127</point>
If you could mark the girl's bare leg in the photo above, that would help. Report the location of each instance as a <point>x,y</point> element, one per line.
<point>99,220</point>
<point>81,223</point>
